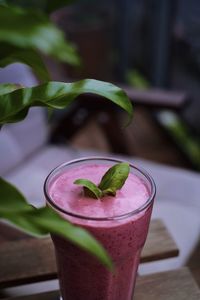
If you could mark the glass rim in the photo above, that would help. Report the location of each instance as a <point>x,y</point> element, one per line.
<point>112,218</point>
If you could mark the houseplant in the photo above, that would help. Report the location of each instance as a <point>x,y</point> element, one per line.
<point>24,35</point>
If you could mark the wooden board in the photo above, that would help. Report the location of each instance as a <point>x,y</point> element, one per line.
<point>159,244</point>
<point>157,98</point>
<point>33,260</point>
<point>27,261</point>
<point>172,285</point>
<point>196,274</point>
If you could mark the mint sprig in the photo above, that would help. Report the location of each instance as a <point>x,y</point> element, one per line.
<point>90,189</point>
<point>111,181</point>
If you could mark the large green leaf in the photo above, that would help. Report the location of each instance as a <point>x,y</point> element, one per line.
<point>41,221</point>
<point>11,200</point>
<point>6,88</point>
<point>14,106</point>
<point>32,30</point>
<point>44,5</point>
<point>10,54</point>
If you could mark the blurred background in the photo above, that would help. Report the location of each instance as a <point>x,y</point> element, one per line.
<point>148,45</point>
<point>144,44</point>
<point>152,49</point>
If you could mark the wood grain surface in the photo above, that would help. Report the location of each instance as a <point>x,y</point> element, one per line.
<point>32,260</point>
<point>159,244</point>
<point>171,285</point>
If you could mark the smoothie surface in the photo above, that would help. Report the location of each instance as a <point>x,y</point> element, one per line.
<point>70,197</point>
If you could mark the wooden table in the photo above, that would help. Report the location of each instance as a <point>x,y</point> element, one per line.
<point>17,268</point>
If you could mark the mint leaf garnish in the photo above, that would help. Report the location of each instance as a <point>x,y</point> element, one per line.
<point>110,191</point>
<point>115,177</point>
<point>90,188</point>
<point>111,181</point>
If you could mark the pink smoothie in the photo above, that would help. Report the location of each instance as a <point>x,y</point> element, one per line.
<point>81,275</point>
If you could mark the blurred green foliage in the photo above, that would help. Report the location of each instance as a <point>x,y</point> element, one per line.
<point>182,136</point>
<point>25,34</point>
<point>46,6</point>
<point>137,80</point>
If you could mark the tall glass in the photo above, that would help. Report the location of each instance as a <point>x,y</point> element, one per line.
<point>81,276</point>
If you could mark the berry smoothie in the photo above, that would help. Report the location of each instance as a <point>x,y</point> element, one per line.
<point>119,222</point>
